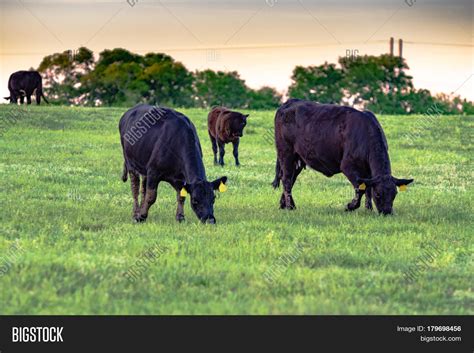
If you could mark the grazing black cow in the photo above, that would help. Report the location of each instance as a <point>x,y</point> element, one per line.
<point>23,84</point>
<point>161,144</point>
<point>225,126</point>
<point>333,139</point>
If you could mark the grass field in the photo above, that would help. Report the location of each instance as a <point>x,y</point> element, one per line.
<point>67,237</point>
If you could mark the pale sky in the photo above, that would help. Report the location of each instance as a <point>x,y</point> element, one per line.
<point>262,40</point>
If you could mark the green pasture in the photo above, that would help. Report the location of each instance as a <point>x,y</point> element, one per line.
<point>67,236</point>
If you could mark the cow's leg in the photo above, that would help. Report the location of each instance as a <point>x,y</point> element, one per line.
<point>180,199</point>
<point>22,99</point>
<point>221,152</point>
<point>355,203</point>
<point>352,174</point>
<point>236,151</point>
<point>28,97</point>
<point>150,196</point>
<point>180,208</point>
<point>38,96</point>
<point>214,148</point>
<point>143,192</point>
<point>13,98</point>
<point>287,164</point>
<point>368,198</point>
<point>297,171</point>
<point>135,184</point>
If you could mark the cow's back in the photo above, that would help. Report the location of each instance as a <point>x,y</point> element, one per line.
<point>322,133</point>
<point>24,80</point>
<point>299,121</point>
<point>146,131</point>
<point>212,120</point>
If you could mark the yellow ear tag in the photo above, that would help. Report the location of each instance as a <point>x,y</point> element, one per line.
<point>183,192</point>
<point>222,187</point>
<point>402,188</point>
<point>362,186</point>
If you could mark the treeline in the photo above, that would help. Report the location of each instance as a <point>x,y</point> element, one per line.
<point>121,78</point>
<point>377,83</point>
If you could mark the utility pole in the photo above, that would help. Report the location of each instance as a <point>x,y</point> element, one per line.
<point>400,48</point>
<point>391,46</point>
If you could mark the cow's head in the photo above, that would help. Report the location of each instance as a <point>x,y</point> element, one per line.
<point>235,124</point>
<point>203,197</point>
<point>384,190</point>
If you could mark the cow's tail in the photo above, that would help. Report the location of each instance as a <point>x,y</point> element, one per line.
<point>7,98</point>
<point>276,181</point>
<point>42,95</point>
<point>125,172</point>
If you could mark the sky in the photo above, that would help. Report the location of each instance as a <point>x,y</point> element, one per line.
<point>261,39</point>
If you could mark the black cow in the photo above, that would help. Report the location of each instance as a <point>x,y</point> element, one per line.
<point>23,84</point>
<point>160,144</point>
<point>333,139</point>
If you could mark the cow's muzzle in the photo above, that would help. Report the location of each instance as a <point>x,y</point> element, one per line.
<point>209,220</point>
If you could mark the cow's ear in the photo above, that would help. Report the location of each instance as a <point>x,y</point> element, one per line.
<point>367,181</point>
<point>246,116</point>
<point>400,182</point>
<point>217,184</point>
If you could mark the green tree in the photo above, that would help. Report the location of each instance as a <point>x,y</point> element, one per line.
<point>123,78</point>
<point>112,82</point>
<point>168,81</point>
<point>264,98</point>
<point>220,88</point>
<point>417,101</point>
<point>378,83</point>
<point>62,74</point>
<point>321,83</point>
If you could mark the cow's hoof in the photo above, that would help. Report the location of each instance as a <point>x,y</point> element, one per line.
<point>292,205</point>
<point>180,218</point>
<point>282,204</point>
<point>140,218</point>
<point>350,207</point>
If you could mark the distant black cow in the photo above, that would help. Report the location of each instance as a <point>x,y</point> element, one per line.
<point>225,126</point>
<point>23,84</point>
<point>333,139</point>
<point>161,144</point>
